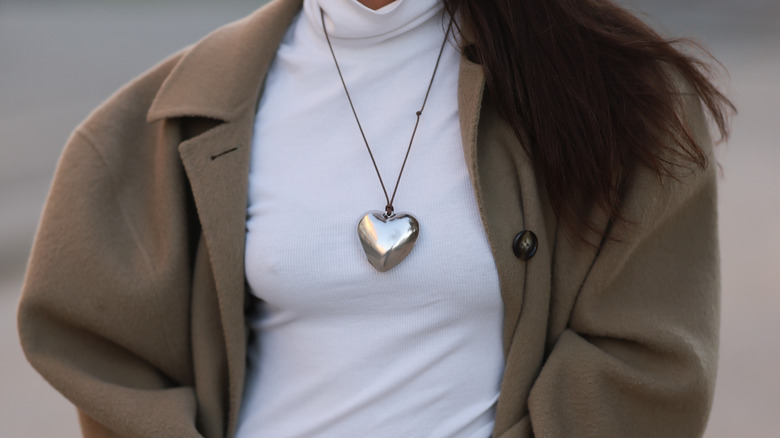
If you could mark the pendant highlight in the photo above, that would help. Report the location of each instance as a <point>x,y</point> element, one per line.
<point>387,240</point>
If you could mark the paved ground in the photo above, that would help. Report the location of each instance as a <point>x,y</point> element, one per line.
<point>60,59</point>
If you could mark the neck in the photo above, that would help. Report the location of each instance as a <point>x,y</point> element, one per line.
<point>375,4</point>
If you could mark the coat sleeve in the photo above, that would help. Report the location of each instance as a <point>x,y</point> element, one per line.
<point>103,315</point>
<point>638,356</point>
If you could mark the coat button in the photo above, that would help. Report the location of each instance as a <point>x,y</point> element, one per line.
<point>525,245</point>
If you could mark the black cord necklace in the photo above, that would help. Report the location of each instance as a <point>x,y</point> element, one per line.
<point>387,237</point>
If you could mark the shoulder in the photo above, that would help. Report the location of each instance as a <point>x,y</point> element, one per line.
<point>214,78</point>
<point>126,109</point>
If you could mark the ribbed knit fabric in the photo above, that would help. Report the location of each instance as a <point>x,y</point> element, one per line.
<point>340,349</point>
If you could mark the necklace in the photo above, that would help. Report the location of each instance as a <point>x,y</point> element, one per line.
<point>387,237</point>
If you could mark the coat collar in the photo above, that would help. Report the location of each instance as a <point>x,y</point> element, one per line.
<point>220,77</point>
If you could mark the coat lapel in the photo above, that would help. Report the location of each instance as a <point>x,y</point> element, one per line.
<point>220,79</point>
<point>510,200</point>
<point>216,164</point>
<point>492,156</point>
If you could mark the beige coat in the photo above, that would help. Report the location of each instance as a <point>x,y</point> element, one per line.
<point>134,301</point>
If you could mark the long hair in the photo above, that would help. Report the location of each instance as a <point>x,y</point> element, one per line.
<point>590,86</point>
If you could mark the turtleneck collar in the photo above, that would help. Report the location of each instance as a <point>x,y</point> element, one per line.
<point>351,20</point>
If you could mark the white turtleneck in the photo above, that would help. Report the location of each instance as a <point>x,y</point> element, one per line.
<point>340,349</point>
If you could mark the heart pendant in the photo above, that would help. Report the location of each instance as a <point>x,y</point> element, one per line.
<point>387,240</point>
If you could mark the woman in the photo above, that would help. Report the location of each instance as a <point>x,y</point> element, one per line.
<point>551,271</point>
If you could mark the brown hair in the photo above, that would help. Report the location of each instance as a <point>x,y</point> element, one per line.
<point>589,85</point>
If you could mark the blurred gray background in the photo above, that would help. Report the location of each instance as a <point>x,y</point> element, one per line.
<point>59,59</point>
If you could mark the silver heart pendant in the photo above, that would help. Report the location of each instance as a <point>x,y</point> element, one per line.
<point>387,240</point>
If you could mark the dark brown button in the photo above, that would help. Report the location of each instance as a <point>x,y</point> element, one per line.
<point>525,245</point>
